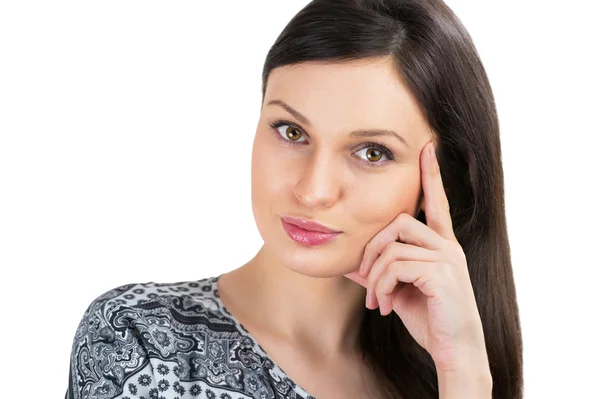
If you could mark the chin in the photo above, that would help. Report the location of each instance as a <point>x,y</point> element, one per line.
<point>332,259</point>
<point>311,261</point>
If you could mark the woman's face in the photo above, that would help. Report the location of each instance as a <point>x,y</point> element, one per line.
<point>312,167</point>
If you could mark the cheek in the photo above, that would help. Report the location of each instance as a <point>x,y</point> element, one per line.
<point>385,201</point>
<point>269,169</point>
<point>270,174</point>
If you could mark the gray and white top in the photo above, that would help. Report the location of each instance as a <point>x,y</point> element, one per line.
<point>170,341</point>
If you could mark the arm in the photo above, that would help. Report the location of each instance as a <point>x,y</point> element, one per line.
<point>474,381</point>
<point>105,352</point>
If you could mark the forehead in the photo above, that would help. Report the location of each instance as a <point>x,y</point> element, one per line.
<point>349,95</point>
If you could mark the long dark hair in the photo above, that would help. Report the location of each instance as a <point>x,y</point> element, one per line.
<point>437,60</point>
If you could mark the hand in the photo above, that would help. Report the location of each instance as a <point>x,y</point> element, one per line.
<point>425,280</point>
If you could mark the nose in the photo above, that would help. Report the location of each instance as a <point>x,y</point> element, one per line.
<point>319,184</point>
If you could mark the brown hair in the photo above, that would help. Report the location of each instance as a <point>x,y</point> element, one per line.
<point>436,58</point>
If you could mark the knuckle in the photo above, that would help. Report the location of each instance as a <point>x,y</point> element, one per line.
<point>402,224</point>
<point>395,266</point>
<point>458,250</point>
<point>389,250</point>
<point>447,270</point>
<point>403,217</point>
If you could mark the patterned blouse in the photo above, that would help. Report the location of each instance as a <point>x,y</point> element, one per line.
<point>170,341</point>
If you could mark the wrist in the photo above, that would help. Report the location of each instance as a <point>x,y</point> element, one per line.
<point>473,382</point>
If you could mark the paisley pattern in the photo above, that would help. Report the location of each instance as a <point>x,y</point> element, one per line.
<point>170,341</point>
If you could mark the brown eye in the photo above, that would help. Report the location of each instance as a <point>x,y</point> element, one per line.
<point>374,151</point>
<point>374,154</point>
<point>292,133</point>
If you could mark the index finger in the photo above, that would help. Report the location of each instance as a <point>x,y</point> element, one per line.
<point>436,204</point>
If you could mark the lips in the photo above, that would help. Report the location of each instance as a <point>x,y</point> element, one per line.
<point>308,225</point>
<point>310,238</point>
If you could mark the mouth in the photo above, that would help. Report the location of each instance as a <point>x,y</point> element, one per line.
<point>309,225</point>
<point>303,236</point>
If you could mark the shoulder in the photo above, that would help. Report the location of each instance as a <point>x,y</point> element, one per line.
<point>132,336</point>
<point>153,306</point>
<point>169,340</point>
<point>135,294</point>
<point>119,307</point>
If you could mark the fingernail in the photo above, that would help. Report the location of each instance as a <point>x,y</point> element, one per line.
<point>370,300</point>
<point>373,300</point>
<point>431,149</point>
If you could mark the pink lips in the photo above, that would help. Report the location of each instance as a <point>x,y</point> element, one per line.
<point>307,232</point>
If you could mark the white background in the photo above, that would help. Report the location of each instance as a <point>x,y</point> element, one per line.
<point>125,143</point>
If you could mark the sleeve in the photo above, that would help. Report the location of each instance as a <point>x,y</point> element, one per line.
<point>106,352</point>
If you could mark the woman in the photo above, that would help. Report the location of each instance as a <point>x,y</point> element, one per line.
<point>385,270</point>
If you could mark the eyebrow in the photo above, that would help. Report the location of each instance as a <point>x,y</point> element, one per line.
<point>355,133</point>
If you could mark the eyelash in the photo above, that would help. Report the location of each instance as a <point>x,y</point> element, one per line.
<point>379,147</point>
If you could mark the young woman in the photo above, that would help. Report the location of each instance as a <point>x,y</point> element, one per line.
<point>377,187</point>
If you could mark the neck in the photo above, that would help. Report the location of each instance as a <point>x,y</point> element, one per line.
<point>321,315</point>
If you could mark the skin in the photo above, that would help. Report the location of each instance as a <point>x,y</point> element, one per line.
<point>295,296</point>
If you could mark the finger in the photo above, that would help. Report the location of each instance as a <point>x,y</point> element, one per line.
<point>393,251</point>
<point>437,208</point>
<point>420,274</point>
<point>375,272</point>
<point>357,278</point>
<point>406,229</point>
